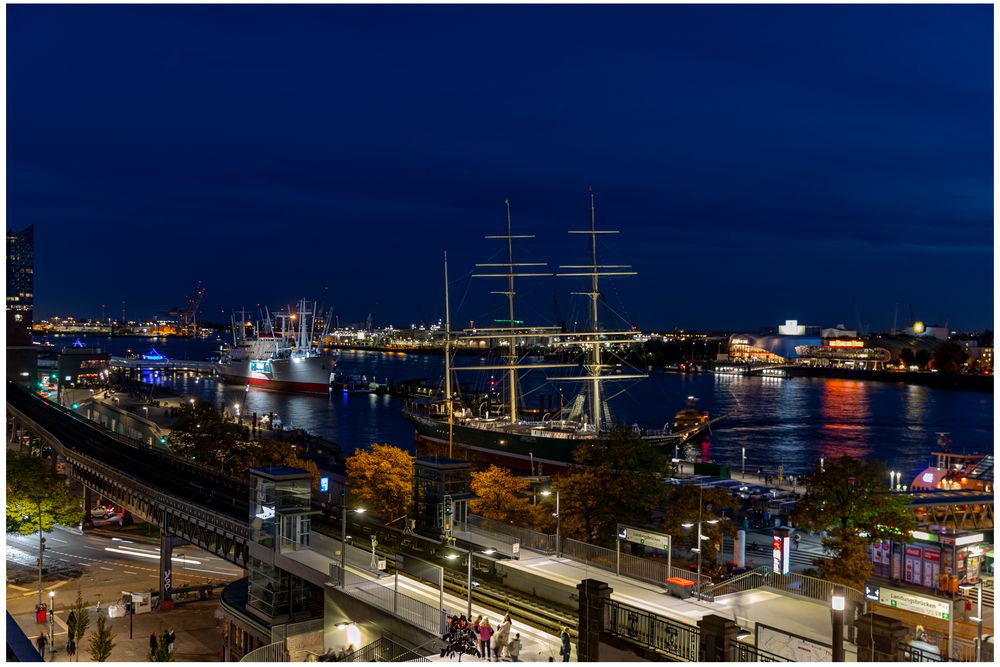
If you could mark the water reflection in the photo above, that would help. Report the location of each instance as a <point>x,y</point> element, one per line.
<point>779,421</point>
<point>844,413</point>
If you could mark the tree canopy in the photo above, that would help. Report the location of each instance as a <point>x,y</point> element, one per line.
<point>502,495</point>
<point>202,434</point>
<point>30,481</point>
<point>381,480</point>
<point>616,481</point>
<point>849,498</point>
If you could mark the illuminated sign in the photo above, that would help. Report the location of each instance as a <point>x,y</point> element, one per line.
<point>918,604</point>
<point>921,535</point>
<point>928,477</point>
<point>739,341</point>
<point>265,512</point>
<point>845,343</point>
<point>324,484</point>
<point>968,539</point>
<point>260,366</point>
<point>781,557</point>
<point>872,592</point>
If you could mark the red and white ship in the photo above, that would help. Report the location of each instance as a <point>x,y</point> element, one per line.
<point>279,358</point>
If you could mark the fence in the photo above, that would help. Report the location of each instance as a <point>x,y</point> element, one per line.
<point>678,641</point>
<point>647,569</point>
<point>812,588</point>
<point>280,633</point>
<point>372,592</point>
<point>530,539</point>
<point>275,652</point>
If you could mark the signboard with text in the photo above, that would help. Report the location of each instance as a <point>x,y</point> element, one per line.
<point>780,552</point>
<point>919,604</point>
<point>644,537</point>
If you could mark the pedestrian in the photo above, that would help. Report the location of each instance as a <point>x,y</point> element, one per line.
<point>71,622</point>
<point>152,642</point>
<point>41,643</point>
<point>170,639</point>
<point>795,540</point>
<point>564,648</point>
<point>485,635</point>
<point>71,648</point>
<point>502,637</point>
<point>760,472</point>
<point>514,647</point>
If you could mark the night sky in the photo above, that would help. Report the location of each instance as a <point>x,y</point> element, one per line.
<point>762,163</point>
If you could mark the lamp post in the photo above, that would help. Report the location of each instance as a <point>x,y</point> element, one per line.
<point>701,537</point>
<point>468,586</point>
<point>837,604</point>
<point>979,616</point>
<point>343,533</point>
<point>743,468</point>
<point>558,523</point>
<point>41,550</point>
<point>52,620</point>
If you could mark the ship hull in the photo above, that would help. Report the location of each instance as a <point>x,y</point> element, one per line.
<point>523,451</point>
<point>306,376</point>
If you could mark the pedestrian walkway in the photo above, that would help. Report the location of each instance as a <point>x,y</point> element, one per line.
<point>198,634</point>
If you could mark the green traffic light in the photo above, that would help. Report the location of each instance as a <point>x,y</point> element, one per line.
<point>76,405</point>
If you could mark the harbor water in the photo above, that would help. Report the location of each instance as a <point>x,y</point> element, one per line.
<point>777,421</point>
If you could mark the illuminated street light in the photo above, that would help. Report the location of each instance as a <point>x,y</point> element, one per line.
<point>837,604</point>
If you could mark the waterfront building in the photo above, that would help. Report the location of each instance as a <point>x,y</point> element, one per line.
<point>773,348</point>
<point>22,360</point>
<point>83,366</point>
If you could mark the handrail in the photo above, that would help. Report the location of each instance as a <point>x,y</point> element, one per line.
<point>737,582</point>
<point>275,652</point>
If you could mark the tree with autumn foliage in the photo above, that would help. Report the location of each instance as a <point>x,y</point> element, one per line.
<point>268,452</point>
<point>616,480</point>
<point>381,480</point>
<point>848,498</point>
<point>501,495</point>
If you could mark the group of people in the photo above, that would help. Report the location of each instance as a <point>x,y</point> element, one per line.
<point>481,639</point>
<point>166,640</point>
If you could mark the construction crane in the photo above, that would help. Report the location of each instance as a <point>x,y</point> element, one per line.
<point>187,317</point>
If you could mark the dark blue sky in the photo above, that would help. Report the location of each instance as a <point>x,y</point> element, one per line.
<point>762,163</point>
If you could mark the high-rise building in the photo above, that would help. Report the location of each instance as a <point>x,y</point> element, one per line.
<point>22,360</point>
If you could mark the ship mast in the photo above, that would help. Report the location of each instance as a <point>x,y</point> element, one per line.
<point>595,271</point>
<point>511,328</point>
<point>447,359</point>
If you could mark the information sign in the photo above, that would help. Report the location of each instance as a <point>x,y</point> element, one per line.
<point>919,604</point>
<point>644,537</point>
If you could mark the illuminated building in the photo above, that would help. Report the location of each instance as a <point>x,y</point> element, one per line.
<point>83,366</point>
<point>22,360</point>
<point>843,353</point>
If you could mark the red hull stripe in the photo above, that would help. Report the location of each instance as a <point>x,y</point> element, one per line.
<point>302,387</point>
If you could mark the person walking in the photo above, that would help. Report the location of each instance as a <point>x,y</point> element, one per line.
<point>41,643</point>
<point>71,648</point>
<point>152,643</point>
<point>514,648</point>
<point>564,649</point>
<point>501,638</point>
<point>171,636</point>
<point>485,635</point>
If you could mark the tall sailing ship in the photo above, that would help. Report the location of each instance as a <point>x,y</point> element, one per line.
<point>280,354</point>
<point>514,437</point>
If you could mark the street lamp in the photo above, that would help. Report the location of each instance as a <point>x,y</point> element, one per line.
<point>978,617</point>
<point>743,469</point>
<point>468,588</point>
<point>52,620</point>
<point>558,523</point>
<point>837,604</point>
<point>343,528</point>
<point>701,537</point>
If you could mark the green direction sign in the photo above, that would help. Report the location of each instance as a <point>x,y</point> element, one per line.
<point>644,537</point>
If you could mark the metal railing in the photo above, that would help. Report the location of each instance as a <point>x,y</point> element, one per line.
<point>676,640</point>
<point>742,652</point>
<point>647,569</point>
<point>744,582</point>
<point>275,652</point>
<point>530,539</point>
<point>415,612</point>
<point>384,650</point>
<point>812,588</point>
<point>285,630</point>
